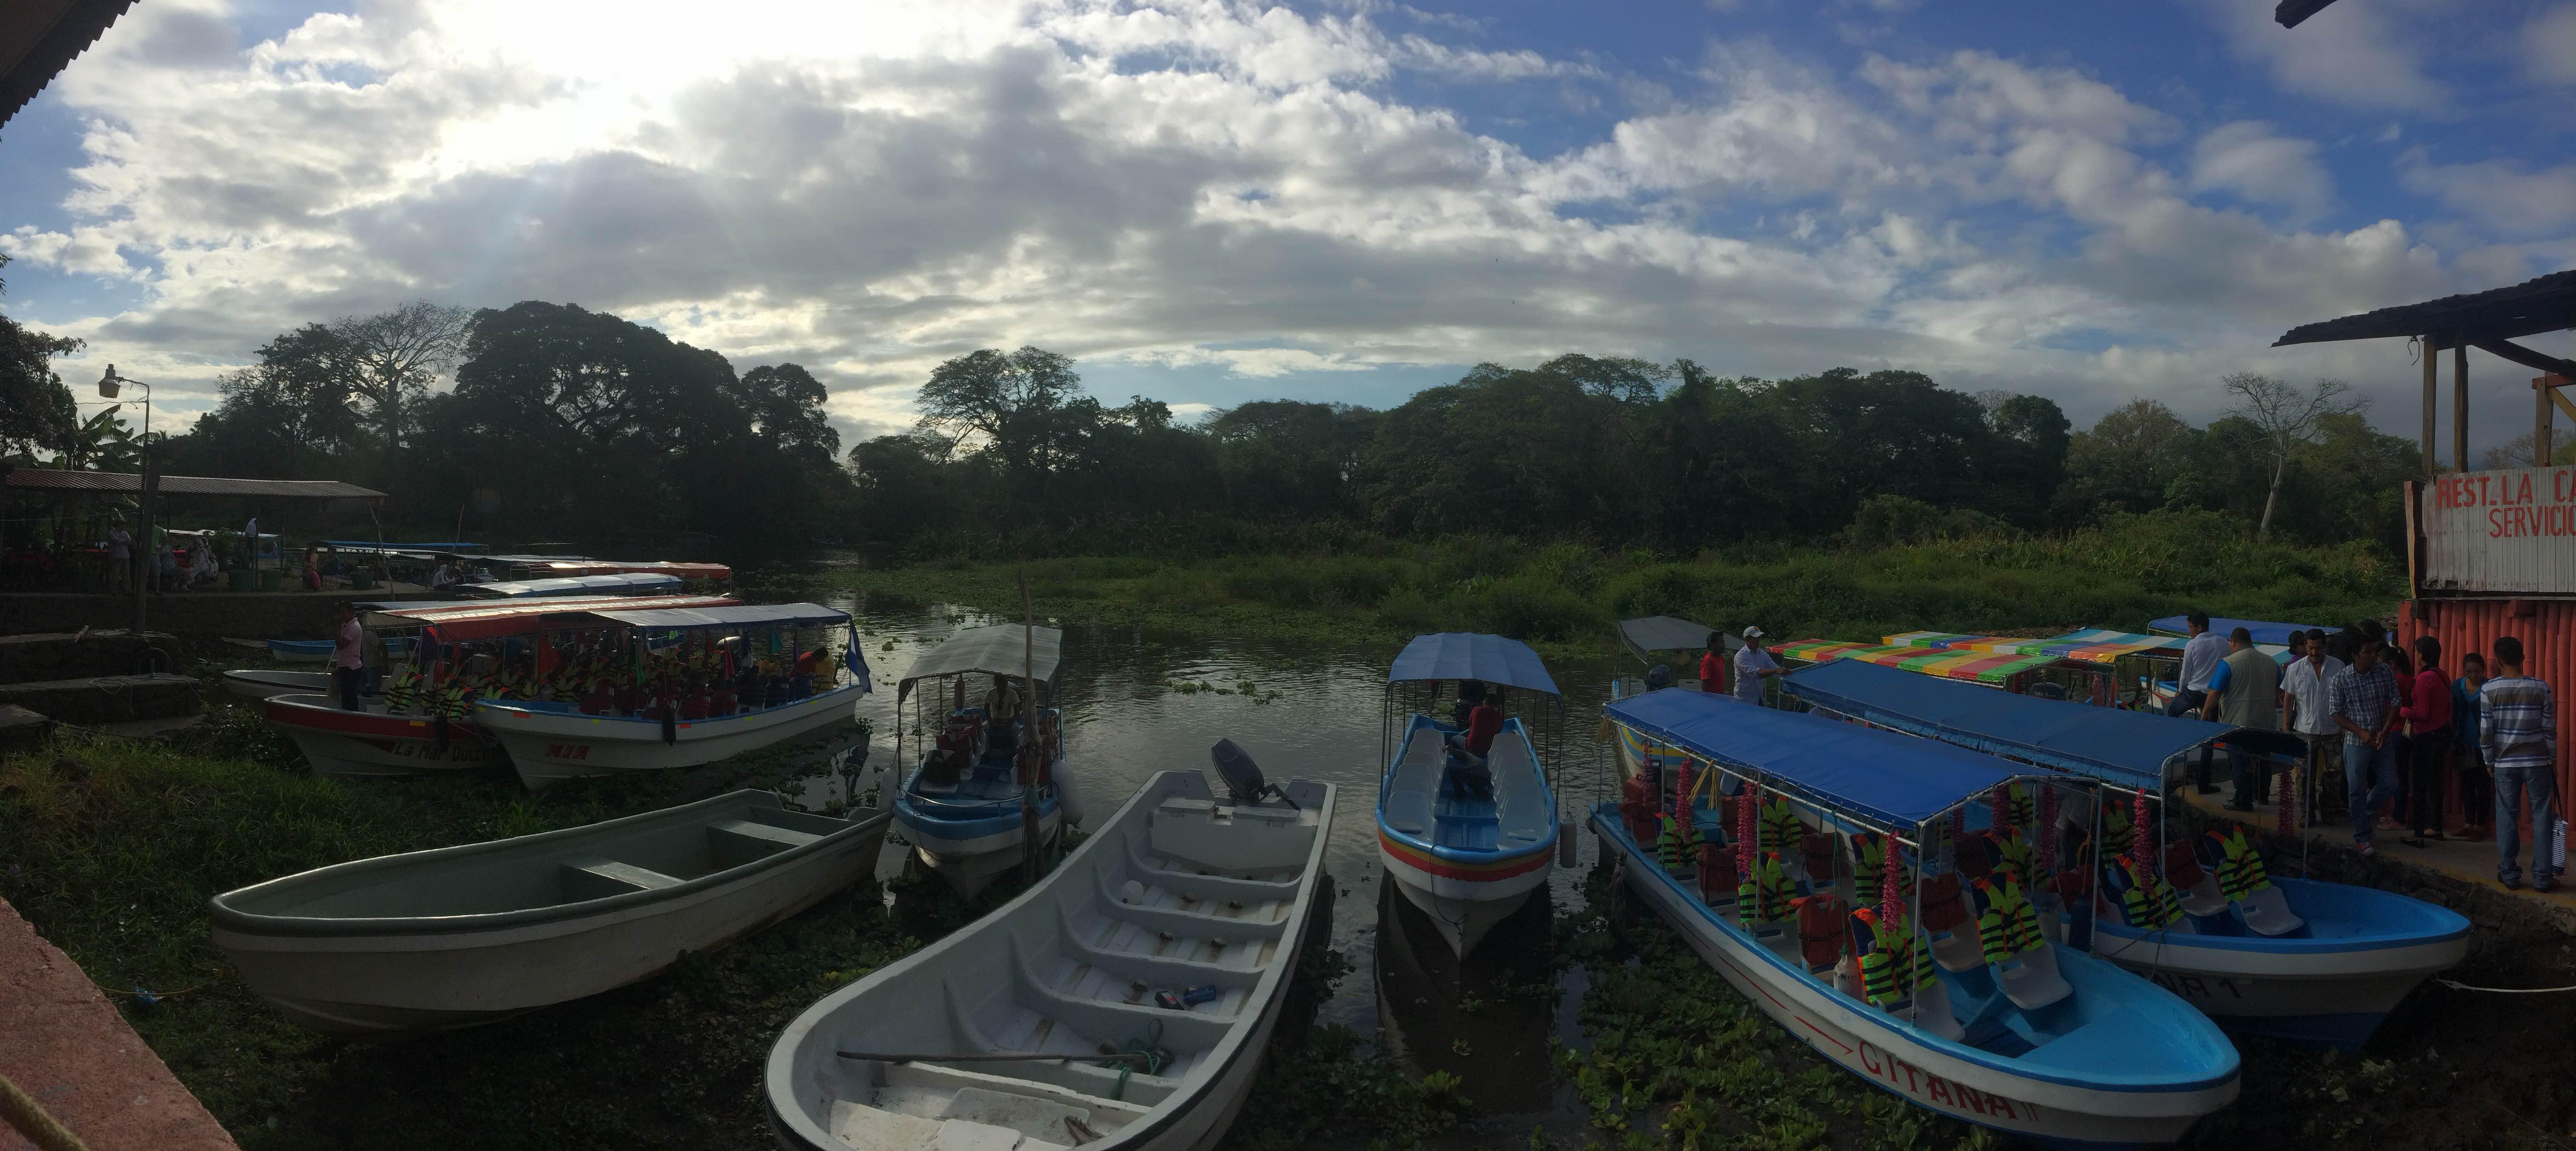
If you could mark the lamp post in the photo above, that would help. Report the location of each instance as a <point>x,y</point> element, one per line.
<point>108,387</point>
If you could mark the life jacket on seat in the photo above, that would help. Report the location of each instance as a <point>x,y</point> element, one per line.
<point>2182,868</point>
<point>1763,895</point>
<point>1869,862</point>
<point>1676,842</point>
<point>1975,855</point>
<point>1779,826</point>
<point>1892,960</point>
<point>1820,927</point>
<point>2147,902</point>
<point>1717,871</point>
<point>398,694</point>
<point>2015,854</point>
<point>2019,809</point>
<point>1816,850</point>
<point>2239,866</point>
<point>1943,909</point>
<point>2007,924</point>
<point>1637,808</point>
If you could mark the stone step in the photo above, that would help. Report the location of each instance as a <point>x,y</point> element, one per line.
<point>79,654</point>
<point>106,699</point>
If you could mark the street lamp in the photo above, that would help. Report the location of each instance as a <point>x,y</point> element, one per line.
<point>108,387</point>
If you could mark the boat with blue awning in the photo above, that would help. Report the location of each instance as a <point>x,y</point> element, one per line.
<point>996,767</point>
<point>1467,846</point>
<point>2293,958</point>
<point>1827,891</point>
<point>626,584</point>
<point>2265,632</point>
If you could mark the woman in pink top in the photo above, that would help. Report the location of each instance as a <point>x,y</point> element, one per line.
<point>2427,708</point>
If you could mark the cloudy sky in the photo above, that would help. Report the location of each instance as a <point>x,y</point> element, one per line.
<point>1343,200</point>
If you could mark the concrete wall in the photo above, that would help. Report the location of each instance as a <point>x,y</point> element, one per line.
<point>247,615</point>
<point>72,655</point>
<point>106,699</point>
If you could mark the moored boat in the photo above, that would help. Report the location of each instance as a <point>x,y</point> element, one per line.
<point>455,936</point>
<point>2291,958</point>
<point>1466,847</point>
<point>1656,642</point>
<point>264,683</point>
<point>962,806</point>
<point>1120,1004</point>
<point>1878,963</point>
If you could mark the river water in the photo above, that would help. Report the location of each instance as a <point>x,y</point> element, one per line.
<point>1311,712</point>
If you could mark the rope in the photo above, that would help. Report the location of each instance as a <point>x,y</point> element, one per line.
<point>2456,985</point>
<point>40,1129</point>
<point>1155,1057</point>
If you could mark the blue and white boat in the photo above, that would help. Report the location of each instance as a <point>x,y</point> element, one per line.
<point>2305,960</point>
<point>2006,1030</point>
<point>1467,857</point>
<point>962,806</point>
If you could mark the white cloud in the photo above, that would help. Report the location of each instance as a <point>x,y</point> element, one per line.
<point>1190,184</point>
<point>2349,54</point>
<point>2549,44</point>
<point>2507,197</point>
<point>2245,158</point>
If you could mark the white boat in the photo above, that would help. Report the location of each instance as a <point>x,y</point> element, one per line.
<point>1979,1017</point>
<point>2297,959</point>
<point>553,740</point>
<point>373,741</point>
<point>960,807</point>
<point>457,936</point>
<point>1468,859</point>
<point>994,1037</point>
<point>264,683</point>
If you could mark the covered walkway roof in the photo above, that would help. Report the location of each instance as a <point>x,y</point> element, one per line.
<point>2482,320</point>
<point>127,483</point>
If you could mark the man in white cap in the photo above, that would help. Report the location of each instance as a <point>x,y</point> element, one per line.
<point>1752,666</point>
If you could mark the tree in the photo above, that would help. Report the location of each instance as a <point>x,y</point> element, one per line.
<point>2287,417</point>
<point>35,408</point>
<point>1014,403</point>
<point>390,358</point>
<point>2516,452</point>
<point>785,404</point>
<point>1291,457</point>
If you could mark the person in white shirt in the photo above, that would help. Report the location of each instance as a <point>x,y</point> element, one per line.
<point>120,558</point>
<point>440,576</point>
<point>1752,666</point>
<point>2200,659</point>
<point>2310,712</point>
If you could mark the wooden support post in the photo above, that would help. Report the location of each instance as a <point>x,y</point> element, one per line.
<point>2432,386</point>
<point>2543,389</point>
<point>2460,408</point>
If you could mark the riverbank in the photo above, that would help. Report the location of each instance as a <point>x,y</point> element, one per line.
<point>1565,597</point>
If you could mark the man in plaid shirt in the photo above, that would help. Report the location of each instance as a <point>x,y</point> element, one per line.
<point>2363,701</point>
<point>2518,730</point>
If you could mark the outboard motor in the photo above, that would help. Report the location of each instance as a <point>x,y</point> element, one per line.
<point>1242,776</point>
<point>1659,677</point>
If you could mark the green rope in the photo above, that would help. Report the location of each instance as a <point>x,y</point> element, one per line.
<point>1155,1058</point>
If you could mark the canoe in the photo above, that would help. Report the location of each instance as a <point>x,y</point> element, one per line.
<point>960,805</point>
<point>456,936</point>
<point>1467,856</point>
<point>2305,960</point>
<point>549,742</point>
<point>2016,1033</point>
<point>263,683</point>
<point>1180,899</point>
<point>370,741</point>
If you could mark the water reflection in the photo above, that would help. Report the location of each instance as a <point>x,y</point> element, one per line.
<point>1485,1021</point>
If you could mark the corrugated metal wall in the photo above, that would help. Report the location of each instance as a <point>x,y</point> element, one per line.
<point>2548,637</point>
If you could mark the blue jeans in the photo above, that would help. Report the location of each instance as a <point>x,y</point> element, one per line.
<point>2369,778</point>
<point>2512,786</point>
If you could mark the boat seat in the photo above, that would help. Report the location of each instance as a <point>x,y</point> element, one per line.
<point>735,842</point>
<point>1958,949</point>
<point>2203,898</point>
<point>602,878</point>
<point>1408,812</point>
<point>1932,1012</point>
<point>2031,980</point>
<point>2267,912</point>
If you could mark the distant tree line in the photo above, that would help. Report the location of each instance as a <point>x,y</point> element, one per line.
<point>1010,454</point>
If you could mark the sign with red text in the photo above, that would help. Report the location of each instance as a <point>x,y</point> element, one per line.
<point>2505,532</point>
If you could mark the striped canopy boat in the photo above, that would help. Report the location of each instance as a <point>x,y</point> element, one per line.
<point>1976,666</point>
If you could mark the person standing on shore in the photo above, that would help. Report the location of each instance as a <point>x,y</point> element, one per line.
<point>2200,659</point>
<point>2363,701</point>
<point>2303,699</point>
<point>1712,665</point>
<point>2245,691</point>
<point>2477,787</point>
<point>2518,727</point>
<point>2428,740</point>
<point>1752,666</point>
<point>346,657</point>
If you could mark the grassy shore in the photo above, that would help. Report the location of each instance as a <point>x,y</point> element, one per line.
<point>1564,597</point>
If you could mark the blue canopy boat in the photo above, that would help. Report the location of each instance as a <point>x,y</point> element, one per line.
<point>2298,959</point>
<point>1972,1015</point>
<point>2264,631</point>
<point>1467,851</point>
<point>961,806</point>
<point>634,584</point>
<point>1650,640</point>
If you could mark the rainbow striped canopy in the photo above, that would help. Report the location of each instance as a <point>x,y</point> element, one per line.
<point>1974,666</point>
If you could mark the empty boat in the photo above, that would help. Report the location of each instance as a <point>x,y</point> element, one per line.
<point>455,936</point>
<point>1120,1004</point>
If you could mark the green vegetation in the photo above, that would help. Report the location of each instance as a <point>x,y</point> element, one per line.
<point>1565,596</point>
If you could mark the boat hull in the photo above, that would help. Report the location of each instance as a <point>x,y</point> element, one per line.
<point>1462,907</point>
<point>548,746</point>
<point>371,742</point>
<point>2057,1113</point>
<point>267,683</point>
<point>971,853</point>
<point>2320,991</point>
<point>399,983</point>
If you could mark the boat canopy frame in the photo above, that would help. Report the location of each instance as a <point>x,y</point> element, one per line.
<point>1414,679</point>
<point>1014,651</point>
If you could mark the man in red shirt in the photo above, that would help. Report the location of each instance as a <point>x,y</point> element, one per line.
<point>1712,666</point>
<point>1468,749</point>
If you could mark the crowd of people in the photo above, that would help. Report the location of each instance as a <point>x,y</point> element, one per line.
<point>2402,732</point>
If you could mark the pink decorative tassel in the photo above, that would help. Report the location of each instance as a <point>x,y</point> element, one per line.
<point>1887,900</point>
<point>1682,779</point>
<point>1744,808</point>
<point>1999,810</point>
<point>2140,840</point>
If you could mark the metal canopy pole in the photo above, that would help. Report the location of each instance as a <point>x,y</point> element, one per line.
<point>2460,408</point>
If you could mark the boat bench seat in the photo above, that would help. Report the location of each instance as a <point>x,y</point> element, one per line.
<point>1408,812</point>
<point>735,842</point>
<point>602,878</point>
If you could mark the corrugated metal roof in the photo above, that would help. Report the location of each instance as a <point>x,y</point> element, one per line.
<point>49,479</point>
<point>39,37</point>
<point>2545,304</point>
